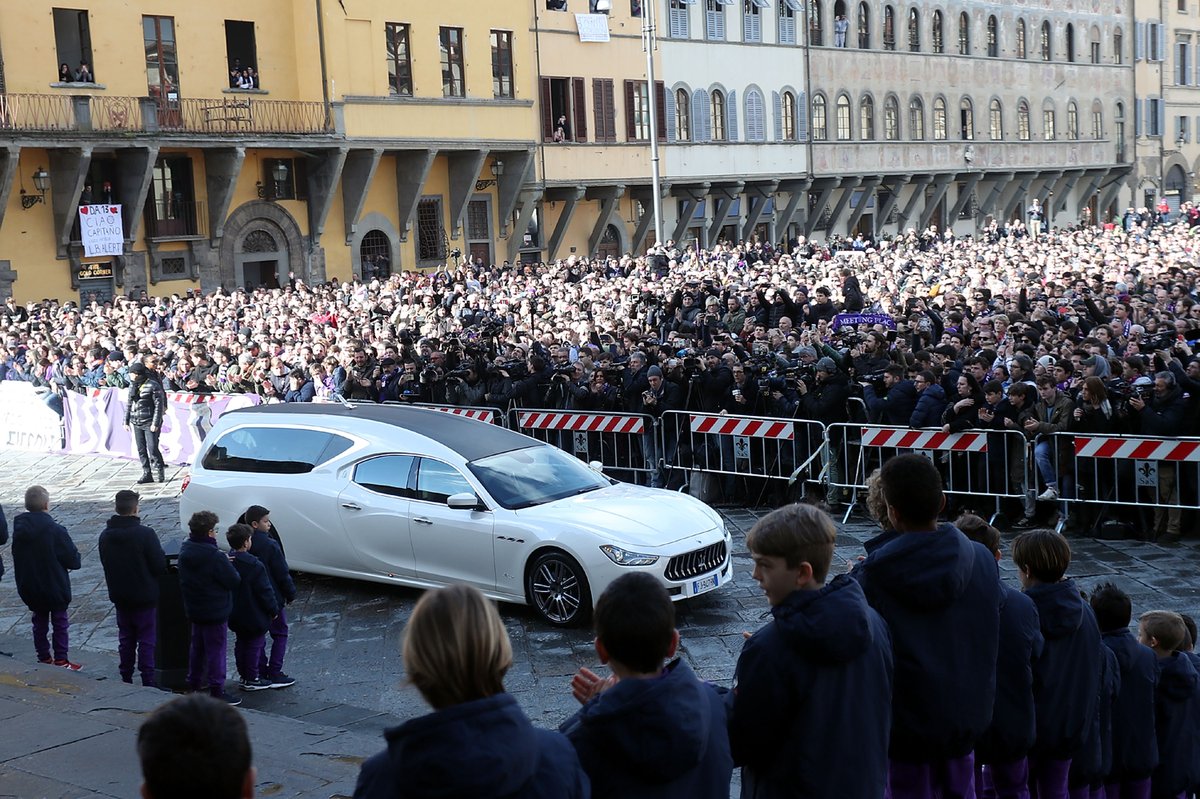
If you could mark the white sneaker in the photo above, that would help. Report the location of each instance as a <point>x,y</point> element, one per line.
<point>1049,495</point>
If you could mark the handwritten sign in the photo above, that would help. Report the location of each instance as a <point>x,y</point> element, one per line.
<point>101,230</point>
<point>592,27</point>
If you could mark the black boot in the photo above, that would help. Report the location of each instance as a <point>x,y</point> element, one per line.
<point>160,475</point>
<point>146,478</point>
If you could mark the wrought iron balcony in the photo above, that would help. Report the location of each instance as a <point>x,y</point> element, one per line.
<point>230,114</point>
<point>172,218</point>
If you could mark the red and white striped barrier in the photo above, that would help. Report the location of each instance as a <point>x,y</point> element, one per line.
<point>1138,449</point>
<point>581,422</point>
<point>188,398</point>
<point>737,426</point>
<point>478,414</point>
<point>903,438</point>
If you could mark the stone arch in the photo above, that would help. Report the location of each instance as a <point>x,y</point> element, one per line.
<point>365,224</point>
<point>260,215</point>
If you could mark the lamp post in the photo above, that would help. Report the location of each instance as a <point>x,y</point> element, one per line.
<point>651,96</point>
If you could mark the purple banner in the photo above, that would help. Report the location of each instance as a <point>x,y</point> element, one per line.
<point>95,423</point>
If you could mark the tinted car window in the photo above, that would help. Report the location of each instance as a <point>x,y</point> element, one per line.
<point>273,450</point>
<point>437,481</point>
<point>387,475</point>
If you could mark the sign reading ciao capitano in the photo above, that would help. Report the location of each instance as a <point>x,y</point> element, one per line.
<point>100,230</point>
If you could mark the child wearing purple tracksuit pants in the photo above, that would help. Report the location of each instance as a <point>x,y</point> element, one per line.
<point>254,606</point>
<point>206,581</point>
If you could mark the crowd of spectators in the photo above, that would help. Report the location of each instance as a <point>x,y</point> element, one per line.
<point>928,328</point>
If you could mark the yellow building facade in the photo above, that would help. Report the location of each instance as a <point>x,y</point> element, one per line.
<point>248,142</point>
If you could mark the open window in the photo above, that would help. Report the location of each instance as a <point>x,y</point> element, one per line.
<point>564,110</point>
<point>241,54</point>
<point>73,38</point>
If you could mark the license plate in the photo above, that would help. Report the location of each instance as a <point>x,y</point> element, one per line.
<point>707,584</point>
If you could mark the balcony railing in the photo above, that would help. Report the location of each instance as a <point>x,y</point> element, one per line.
<point>170,218</point>
<point>234,114</point>
<point>240,114</point>
<point>37,112</point>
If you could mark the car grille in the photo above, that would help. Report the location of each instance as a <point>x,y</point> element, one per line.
<point>696,562</point>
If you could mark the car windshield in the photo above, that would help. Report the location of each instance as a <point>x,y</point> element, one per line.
<point>523,478</point>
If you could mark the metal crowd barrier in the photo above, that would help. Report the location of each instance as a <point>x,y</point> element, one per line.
<point>745,446</point>
<point>990,463</point>
<point>477,412</point>
<point>1098,471</point>
<point>622,441</point>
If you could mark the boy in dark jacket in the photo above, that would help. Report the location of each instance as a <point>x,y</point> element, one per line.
<point>1134,747</point>
<point>1001,754</point>
<point>1176,705</point>
<point>133,560</point>
<point>206,582</point>
<point>266,546</point>
<point>43,553</point>
<point>254,605</point>
<point>927,580</point>
<point>652,729</point>
<point>825,655</point>
<point>1066,685</point>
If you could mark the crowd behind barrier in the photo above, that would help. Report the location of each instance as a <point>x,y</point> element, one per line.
<point>923,329</point>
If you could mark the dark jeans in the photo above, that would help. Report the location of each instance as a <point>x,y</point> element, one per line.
<point>137,631</point>
<point>147,448</point>
<point>207,656</point>
<point>247,652</point>
<point>279,637</point>
<point>42,620</point>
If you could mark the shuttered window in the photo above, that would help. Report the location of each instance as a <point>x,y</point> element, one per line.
<point>756,116</point>
<point>603,111</point>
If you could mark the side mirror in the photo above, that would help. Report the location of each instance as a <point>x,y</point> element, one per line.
<point>596,466</point>
<point>463,501</point>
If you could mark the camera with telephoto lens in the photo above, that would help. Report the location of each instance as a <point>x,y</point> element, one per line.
<point>564,372</point>
<point>875,379</point>
<point>1160,341</point>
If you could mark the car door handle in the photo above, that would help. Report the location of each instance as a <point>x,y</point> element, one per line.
<point>351,506</point>
<point>422,520</point>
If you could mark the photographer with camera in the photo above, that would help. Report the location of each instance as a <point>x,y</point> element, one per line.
<point>659,397</point>
<point>361,375</point>
<point>1163,415</point>
<point>890,396</point>
<point>465,385</point>
<point>388,385</point>
<point>634,383</point>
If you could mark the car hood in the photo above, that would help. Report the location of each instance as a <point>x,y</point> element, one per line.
<point>629,514</point>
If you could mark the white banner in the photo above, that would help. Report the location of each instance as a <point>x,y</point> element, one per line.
<point>100,230</point>
<point>25,421</point>
<point>592,27</point>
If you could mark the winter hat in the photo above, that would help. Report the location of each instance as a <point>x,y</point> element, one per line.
<point>826,365</point>
<point>654,371</point>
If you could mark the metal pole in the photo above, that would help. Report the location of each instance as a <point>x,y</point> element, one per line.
<point>652,94</point>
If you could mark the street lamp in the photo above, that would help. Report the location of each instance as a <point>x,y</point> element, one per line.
<point>41,181</point>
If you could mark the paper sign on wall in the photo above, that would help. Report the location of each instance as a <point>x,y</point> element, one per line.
<point>101,230</point>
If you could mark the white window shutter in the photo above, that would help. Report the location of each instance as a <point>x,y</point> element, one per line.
<point>802,117</point>
<point>1162,116</point>
<point>777,107</point>
<point>1138,116</point>
<point>731,113</point>
<point>668,112</point>
<point>1162,42</point>
<point>1139,42</point>
<point>700,123</point>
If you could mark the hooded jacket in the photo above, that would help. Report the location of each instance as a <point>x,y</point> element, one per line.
<point>255,602</point>
<point>662,737</point>
<point>931,404</point>
<point>1093,762</point>
<point>1134,747</point>
<point>1177,723</point>
<point>206,581</point>
<point>939,593</point>
<point>485,749</point>
<point>133,560</point>
<point>43,553</point>
<point>1013,727</point>
<point>1066,679</point>
<point>812,686</point>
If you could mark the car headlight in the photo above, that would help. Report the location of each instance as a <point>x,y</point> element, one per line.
<point>623,557</point>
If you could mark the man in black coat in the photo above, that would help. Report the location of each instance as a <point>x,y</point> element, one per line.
<point>896,405</point>
<point>43,553</point>
<point>267,547</point>
<point>144,415</point>
<point>1163,415</point>
<point>133,561</point>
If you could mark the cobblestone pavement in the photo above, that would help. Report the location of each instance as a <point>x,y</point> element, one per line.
<point>345,636</point>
